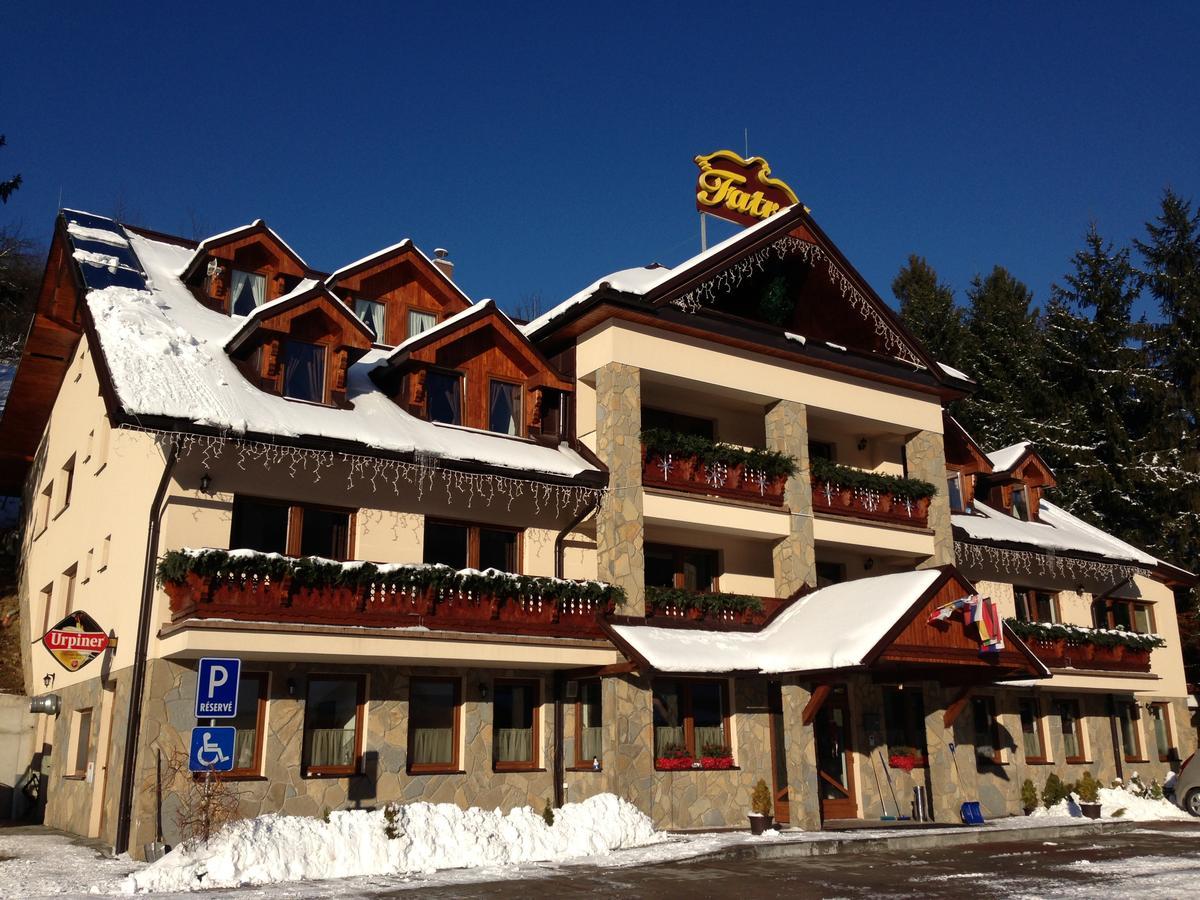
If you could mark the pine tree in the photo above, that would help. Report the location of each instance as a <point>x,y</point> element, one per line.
<point>927,308</point>
<point>8,186</point>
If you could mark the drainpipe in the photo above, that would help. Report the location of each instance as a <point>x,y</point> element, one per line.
<point>559,766</point>
<point>138,682</point>
<point>1118,751</point>
<point>562,535</point>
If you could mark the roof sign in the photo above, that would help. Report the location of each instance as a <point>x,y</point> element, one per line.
<point>739,189</point>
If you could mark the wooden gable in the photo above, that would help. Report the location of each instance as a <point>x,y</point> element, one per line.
<point>405,281</point>
<point>255,249</point>
<point>949,650</point>
<point>1030,471</point>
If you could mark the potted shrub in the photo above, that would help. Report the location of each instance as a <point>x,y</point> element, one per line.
<point>1089,795</point>
<point>674,759</point>
<point>760,805</point>
<point>1054,790</point>
<point>716,756</point>
<point>1029,796</point>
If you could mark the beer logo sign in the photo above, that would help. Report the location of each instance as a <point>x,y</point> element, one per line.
<point>76,641</point>
<point>739,189</point>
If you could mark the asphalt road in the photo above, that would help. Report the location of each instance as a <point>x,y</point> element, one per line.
<point>1158,860</point>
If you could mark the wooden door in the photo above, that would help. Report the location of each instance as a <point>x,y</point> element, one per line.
<point>778,753</point>
<point>835,765</point>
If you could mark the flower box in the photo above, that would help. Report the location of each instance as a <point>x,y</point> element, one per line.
<point>716,762</point>
<point>673,763</point>
<point>830,497</point>
<point>907,762</point>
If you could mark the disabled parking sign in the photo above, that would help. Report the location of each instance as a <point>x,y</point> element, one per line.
<point>212,748</point>
<point>217,688</point>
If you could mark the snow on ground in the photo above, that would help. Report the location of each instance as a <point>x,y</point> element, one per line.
<point>49,864</point>
<point>1112,802</point>
<point>430,837</point>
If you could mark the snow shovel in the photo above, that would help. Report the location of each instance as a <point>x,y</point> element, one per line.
<point>892,787</point>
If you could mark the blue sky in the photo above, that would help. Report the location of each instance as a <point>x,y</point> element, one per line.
<point>550,144</point>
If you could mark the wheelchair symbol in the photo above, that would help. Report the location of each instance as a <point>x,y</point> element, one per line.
<point>212,749</point>
<point>210,754</point>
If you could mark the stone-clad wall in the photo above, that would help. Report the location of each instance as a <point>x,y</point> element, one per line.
<point>620,528</point>
<point>925,458</point>
<point>794,557</point>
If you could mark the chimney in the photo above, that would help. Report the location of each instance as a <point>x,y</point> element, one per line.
<point>443,263</point>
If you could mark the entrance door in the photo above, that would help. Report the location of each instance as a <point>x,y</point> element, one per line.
<point>835,775</point>
<point>778,753</point>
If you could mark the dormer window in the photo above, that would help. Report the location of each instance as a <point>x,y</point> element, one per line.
<point>248,290</point>
<point>304,371</point>
<point>444,393</point>
<point>374,314</point>
<point>419,321</point>
<point>504,407</point>
<point>954,487</point>
<point>1020,503</point>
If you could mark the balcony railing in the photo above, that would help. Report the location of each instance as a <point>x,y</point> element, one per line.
<point>270,588</point>
<point>867,503</point>
<point>1076,647</point>
<point>679,605</point>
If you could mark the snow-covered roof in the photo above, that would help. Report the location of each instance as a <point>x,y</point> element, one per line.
<point>246,324</point>
<point>1005,458</point>
<point>1056,530</point>
<point>833,628</point>
<point>954,373</point>
<point>165,355</point>
<point>212,240</point>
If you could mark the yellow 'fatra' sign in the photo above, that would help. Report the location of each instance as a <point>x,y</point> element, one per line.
<point>739,189</point>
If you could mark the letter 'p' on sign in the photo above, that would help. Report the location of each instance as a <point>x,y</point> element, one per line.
<point>217,688</point>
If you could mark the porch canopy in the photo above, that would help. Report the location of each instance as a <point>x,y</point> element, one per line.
<point>880,625</point>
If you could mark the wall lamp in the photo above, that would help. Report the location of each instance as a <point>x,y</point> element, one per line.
<point>483,691</point>
<point>291,687</point>
<point>205,482</point>
<point>869,563</point>
<point>862,443</point>
<point>48,679</point>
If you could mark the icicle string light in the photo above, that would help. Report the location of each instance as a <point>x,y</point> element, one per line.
<point>723,282</point>
<point>421,476</point>
<point>1024,562</point>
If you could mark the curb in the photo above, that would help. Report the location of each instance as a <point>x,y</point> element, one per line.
<point>927,841</point>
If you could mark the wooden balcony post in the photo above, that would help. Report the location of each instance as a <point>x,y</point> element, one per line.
<point>794,557</point>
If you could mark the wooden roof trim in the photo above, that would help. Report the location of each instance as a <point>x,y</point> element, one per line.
<point>262,317</point>
<point>256,228</point>
<point>384,259</point>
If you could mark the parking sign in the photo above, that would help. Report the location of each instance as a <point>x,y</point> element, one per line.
<point>217,688</point>
<point>212,748</point>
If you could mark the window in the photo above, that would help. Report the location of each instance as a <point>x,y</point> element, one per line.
<point>100,451</point>
<point>554,413</point>
<point>91,442</point>
<point>1160,717</point>
<point>904,720</point>
<point>1020,503</point>
<point>433,717</point>
<point>1031,731</point>
<point>47,597</point>
<point>443,397</point>
<point>504,407</point>
<point>333,715</point>
<point>954,487</point>
<point>1131,739</point>
<point>67,474</point>
<point>294,529</point>
<point>81,743</point>
<point>105,549</point>
<point>1035,606</point>
<point>986,732</point>
<point>69,577</point>
<point>514,725</point>
<point>830,573</point>
<point>678,422</point>
<point>420,321</point>
<point>589,722</point>
<point>692,717</point>
<point>681,567</point>
<point>87,568</point>
<point>1127,614</point>
<point>247,293</point>
<point>374,315</point>
<point>822,450</point>
<point>250,723</point>
<point>1071,727</point>
<point>304,371</point>
<point>42,512</point>
<point>462,546</point>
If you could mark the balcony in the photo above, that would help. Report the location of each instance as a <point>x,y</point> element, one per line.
<point>700,466</point>
<point>711,609</point>
<point>843,491</point>
<point>1097,649</point>
<point>248,586</point>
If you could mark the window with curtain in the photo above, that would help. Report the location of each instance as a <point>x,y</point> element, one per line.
<point>304,371</point>
<point>332,719</point>
<point>1031,730</point>
<point>954,486</point>
<point>1020,503</point>
<point>247,741</point>
<point>1160,718</point>
<point>443,397</point>
<point>1035,606</point>
<point>691,716</point>
<point>1127,614</point>
<point>374,316</point>
<point>514,721</point>
<point>589,722</point>
<point>247,292</point>
<point>1131,739</point>
<point>433,711</point>
<point>420,321</point>
<point>987,731</point>
<point>1071,727</point>
<point>904,719</point>
<point>504,407</point>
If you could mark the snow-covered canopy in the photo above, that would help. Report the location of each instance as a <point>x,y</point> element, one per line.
<point>1056,530</point>
<point>833,628</point>
<point>165,353</point>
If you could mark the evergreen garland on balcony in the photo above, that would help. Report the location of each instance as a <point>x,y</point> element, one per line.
<point>707,603</point>
<point>663,441</point>
<point>315,572</point>
<point>1077,634</point>
<point>856,479</point>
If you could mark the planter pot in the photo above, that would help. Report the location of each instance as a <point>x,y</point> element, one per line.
<point>846,497</point>
<point>673,763</point>
<point>1090,810</point>
<point>885,503</point>
<point>759,824</point>
<point>716,762</point>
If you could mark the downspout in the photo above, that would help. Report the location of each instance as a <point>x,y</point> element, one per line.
<point>571,526</point>
<point>138,682</point>
<point>1118,750</point>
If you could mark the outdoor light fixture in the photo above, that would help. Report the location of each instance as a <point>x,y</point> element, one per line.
<point>869,564</point>
<point>291,687</point>
<point>483,691</point>
<point>862,443</point>
<point>48,679</point>
<point>205,482</point>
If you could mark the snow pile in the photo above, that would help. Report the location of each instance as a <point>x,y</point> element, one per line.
<point>275,848</point>
<point>1136,808</point>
